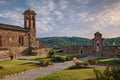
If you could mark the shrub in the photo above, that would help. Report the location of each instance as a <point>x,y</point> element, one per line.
<point>92,61</point>
<point>11,55</point>
<point>78,64</point>
<point>76,55</point>
<point>51,53</point>
<point>116,73</point>
<point>85,64</point>
<point>59,58</point>
<point>68,58</point>
<point>81,64</point>
<point>44,62</point>
<point>108,74</point>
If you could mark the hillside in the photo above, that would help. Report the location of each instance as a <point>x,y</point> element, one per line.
<point>59,42</point>
<point>111,41</point>
<point>65,41</point>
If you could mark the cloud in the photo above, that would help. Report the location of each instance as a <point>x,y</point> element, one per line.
<point>59,14</point>
<point>51,5</point>
<point>44,9</point>
<point>69,17</point>
<point>106,21</point>
<point>3,2</point>
<point>83,1</point>
<point>14,16</point>
<point>63,4</point>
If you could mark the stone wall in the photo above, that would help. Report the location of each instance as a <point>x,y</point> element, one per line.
<point>10,41</point>
<point>10,38</point>
<point>41,51</point>
<point>73,49</point>
<point>4,53</point>
<point>87,50</point>
<point>110,51</point>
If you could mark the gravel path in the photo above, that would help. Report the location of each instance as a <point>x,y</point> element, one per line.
<point>44,71</point>
<point>40,72</point>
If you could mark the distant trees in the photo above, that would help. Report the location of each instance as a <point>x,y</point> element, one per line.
<point>61,42</point>
<point>118,51</point>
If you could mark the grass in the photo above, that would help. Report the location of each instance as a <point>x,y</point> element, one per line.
<point>72,55</point>
<point>33,58</point>
<point>12,67</point>
<point>109,61</point>
<point>36,57</point>
<point>76,74</point>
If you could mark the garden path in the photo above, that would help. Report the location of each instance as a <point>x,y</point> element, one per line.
<point>40,72</point>
<point>44,71</point>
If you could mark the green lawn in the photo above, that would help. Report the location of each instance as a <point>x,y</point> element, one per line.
<point>36,57</point>
<point>109,61</point>
<point>12,67</point>
<point>33,58</point>
<point>72,55</point>
<point>76,74</point>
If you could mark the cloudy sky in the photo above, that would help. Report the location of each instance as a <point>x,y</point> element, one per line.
<point>81,18</point>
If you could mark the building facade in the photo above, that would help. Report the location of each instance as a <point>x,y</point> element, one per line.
<point>20,41</point>
<point>97,48</point>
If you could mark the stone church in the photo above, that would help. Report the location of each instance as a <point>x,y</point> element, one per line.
<point>21,41</point>
<point>97,48</point>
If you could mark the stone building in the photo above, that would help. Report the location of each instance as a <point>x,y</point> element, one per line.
<point>18,40</point>
<point>97,48</point>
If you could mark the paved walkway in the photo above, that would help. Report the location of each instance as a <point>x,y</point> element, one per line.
<point>40,72</point>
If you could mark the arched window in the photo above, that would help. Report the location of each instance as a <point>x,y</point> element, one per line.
<point>32,21</point>
<point>21,40</point>
<point>27,23</point>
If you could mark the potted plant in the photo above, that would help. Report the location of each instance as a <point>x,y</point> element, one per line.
<point>11,55</point>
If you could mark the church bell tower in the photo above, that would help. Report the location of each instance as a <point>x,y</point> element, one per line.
<point>98,43</point>
<point>30,22</point>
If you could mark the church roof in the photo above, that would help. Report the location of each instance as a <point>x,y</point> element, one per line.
<point>11,27</point>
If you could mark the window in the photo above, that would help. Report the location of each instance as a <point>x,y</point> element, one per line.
<point>0,40</point>
<point>21,40</point>
<point>27,23</point>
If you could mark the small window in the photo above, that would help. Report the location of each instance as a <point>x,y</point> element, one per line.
<point>21,40</point>
<point>0,40</point>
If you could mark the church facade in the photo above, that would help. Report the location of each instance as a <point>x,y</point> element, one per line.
<point>18,40</point>
<point>97,48</point>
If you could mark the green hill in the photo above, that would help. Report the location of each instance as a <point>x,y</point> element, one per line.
<point>110,41</point>
<point>60,42</point>
<point>65,41</point>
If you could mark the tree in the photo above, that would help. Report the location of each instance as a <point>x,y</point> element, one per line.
<point>118,52</point>
<point>51,53</point>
